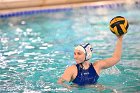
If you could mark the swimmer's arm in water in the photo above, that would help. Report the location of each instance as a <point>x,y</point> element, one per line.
<point>61,81</point>
<point>103,64</point>
<point>66,77</point>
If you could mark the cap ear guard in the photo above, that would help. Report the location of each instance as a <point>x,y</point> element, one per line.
<point>88,49</point>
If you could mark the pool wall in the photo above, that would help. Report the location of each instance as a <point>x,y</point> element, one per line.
<point>9,4</point>
<point>29,7</point>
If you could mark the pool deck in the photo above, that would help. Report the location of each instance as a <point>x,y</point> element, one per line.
<point>56,6</point>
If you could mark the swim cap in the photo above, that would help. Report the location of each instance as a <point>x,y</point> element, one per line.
<point>86,48</point>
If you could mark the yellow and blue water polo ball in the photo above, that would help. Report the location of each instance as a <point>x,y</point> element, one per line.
<point>119,25</point>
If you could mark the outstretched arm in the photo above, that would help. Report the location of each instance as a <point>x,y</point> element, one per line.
<point>102,64</point>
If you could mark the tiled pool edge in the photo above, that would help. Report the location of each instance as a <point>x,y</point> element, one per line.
<point>50,10</point>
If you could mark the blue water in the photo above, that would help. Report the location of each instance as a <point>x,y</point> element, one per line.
<point>36,49</point>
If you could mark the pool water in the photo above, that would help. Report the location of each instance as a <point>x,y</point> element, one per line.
<point>36,49</point>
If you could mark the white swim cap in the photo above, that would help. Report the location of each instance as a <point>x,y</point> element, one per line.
<point>87,49</point>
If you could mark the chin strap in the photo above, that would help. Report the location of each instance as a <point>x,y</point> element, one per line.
<point>82,64</point>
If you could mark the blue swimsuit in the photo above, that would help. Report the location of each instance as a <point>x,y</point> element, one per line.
<point>86,77</point>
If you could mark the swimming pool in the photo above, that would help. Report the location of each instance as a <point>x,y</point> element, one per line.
<point>35,49</point>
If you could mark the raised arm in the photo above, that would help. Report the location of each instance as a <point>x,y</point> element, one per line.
<point>103,64</point>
